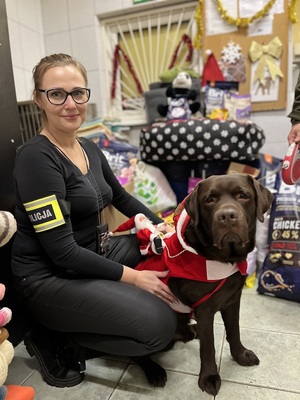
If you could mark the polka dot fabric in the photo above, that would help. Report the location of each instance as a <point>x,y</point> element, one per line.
<point>205,139</point>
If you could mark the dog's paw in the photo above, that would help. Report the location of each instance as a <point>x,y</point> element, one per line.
<point>210,383</point>
<point>155,374</point>
<point>247,358</point>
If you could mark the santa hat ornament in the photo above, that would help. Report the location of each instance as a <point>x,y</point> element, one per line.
<point>139,221</point>
<point>211,70</point>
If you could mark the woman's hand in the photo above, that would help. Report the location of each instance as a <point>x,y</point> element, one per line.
<point>294,134</point>
<point>150,281</point>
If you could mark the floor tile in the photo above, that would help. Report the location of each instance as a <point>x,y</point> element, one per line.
<point>21,366</point>
<point>279,366</point>
<point>269,313</point>
<point>100,381</point>
<point>179,386</point>
<point>233,391</point>
<point>185,357</point>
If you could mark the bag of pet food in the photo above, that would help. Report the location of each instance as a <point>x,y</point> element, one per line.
<point>152,188</point>
<point>238,106</point>
<point>280,272</point>
<point>214,95</point>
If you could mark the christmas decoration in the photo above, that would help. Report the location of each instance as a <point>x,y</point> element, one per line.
<point>239,22</point>
<point>292,12</point>
<point>266,56</point>
<point>211,70</point>
<point>244,22</point>
<point>184,39</point>
<point>231,53</point>
<point>116,62</point>
<point>199,23</point>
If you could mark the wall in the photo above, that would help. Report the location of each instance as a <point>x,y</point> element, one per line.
<point>40,27</point>
<point>26,41</point>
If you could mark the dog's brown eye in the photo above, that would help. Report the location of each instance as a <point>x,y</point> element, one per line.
<point>209,199</point>
<point>243,196</point>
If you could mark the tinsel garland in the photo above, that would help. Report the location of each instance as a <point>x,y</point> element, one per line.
<point>117,52</point>
<point>198,17</point>
<point>244,22</point>
<point>184,39</point>
<point>239,22</point>
<point>292,11</point>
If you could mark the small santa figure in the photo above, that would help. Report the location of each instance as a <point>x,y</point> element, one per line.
<point>151,237</point>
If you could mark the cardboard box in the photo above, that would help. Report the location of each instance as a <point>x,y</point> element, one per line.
<point>111,216</point>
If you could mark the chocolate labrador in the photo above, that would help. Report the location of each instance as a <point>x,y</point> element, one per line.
<point>217,224</point>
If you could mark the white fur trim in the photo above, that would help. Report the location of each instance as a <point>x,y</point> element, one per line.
<point>145,250</point>
<point>182,217</point>
<point>145,223</point>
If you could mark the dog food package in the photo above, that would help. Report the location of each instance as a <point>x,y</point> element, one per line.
<point>270,176</point>
<point>280,273</point>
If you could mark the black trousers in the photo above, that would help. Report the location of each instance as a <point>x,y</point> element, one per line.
<point>109,316</point>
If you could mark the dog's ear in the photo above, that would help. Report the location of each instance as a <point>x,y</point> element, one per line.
<point>192,206</point>
<point>263,198</point>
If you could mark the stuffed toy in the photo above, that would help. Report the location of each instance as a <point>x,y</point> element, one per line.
<point>8,227</point>
<point>181,99</point>
<point>169,75</point>
<point>150,237</point>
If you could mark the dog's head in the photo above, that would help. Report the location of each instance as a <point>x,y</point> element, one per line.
<point>223,211</point>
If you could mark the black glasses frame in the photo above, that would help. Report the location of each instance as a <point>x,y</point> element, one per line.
<point>46,91</point>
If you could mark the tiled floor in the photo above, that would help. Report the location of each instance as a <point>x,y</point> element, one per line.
<point>269,326</point>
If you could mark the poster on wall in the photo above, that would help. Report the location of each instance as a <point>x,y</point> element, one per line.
<point>266,90</point>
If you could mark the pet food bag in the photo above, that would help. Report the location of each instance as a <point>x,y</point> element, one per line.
<point>152,188</point>
<point>280,273</point>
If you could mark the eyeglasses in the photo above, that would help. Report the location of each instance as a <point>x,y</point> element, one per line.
<point>58,97</point>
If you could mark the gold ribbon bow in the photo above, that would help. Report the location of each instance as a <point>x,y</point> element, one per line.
<point>266,56</point>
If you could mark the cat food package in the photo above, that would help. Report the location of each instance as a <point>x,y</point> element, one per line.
<point>214,95</point>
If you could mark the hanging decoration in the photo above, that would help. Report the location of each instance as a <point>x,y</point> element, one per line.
<point>231,53</point>
<point>184,39</point>
<point>233,63</point>
<point>116,62</point>
<point>198,18</point>
<point>239,22</point>
<point>244,22</point>
<point>266,56</point>
<point>292,11</point>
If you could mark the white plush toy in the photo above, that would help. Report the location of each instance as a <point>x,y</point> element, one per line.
<point>8,227</point>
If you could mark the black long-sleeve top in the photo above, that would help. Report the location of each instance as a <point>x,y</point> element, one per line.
<point>66,243</point>
<point>294,115</point>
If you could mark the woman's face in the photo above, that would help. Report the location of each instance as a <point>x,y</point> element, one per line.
<point>70,115</point>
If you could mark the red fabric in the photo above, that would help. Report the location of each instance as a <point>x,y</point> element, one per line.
<point>126,226</point>
<point>182,261</point>
<point>211,71</point>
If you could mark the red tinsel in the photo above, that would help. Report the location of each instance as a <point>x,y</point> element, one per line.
<point>116,62</point>
<point>184,39</point>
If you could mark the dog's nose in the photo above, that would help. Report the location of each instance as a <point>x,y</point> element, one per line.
<point>227,216</point>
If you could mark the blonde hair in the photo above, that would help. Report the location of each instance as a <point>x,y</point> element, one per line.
<point>51,61</point>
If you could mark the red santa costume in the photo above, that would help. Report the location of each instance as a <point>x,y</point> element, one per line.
<point>182,261</point>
